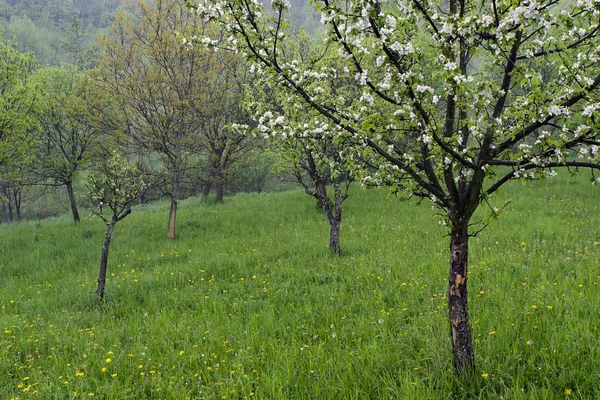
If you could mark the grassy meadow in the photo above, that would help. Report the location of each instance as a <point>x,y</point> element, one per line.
<point>248,303</point>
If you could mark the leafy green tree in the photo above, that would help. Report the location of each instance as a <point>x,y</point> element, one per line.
<point>224,132</point>
<point>453,104</point>
<point>168,95</point>
<point>18,130</point>
<point>112,189</point>
<point>69,137</point>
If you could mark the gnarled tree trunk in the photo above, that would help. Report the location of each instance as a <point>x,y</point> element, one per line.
<point>462,344</point>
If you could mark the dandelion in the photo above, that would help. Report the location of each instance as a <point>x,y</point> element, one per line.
<point>549,307</point>
<point>108,360</point>
<point>492,332</point>
<point>485,375</point>
<point>568,392</point>
<point>104,370</point>
<point>181,353</point>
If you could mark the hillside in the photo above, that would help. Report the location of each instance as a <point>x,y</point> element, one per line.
<point>248,302</point>
<point>47,28</point>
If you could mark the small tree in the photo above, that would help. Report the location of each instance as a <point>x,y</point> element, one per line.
<point>112,190</point>
<point>305,144</point>
<point>69,137</point>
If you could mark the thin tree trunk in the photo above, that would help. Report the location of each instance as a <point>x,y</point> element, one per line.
<point>18,204</point>
<point>172,217</point>
<point>104,260</point>
<point>69,185</point>
<point>219,183</point>
<point>10,211</point>
<point>462,344</point>
<point>173,212</point>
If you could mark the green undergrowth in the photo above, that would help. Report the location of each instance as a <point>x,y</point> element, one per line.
<point>249,303</point>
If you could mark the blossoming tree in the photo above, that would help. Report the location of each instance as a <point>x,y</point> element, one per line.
<point>305,144</point>
<point>115,187</point>
<point>458,98</point>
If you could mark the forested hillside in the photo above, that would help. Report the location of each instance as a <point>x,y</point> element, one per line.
<point>54,30</point>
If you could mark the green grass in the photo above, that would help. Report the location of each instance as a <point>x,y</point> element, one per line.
<point>248,302</point>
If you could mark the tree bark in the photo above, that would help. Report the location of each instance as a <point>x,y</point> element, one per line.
<point>10,211</point>
<point>334,236</point>
<point>110,226</point>
<point>69,185</point>
<point>334,216</point>
<point>172,217</point>
<point>462,344</point>
<point>219,183</point>
<point>173,212</point>
<point>18,204</point>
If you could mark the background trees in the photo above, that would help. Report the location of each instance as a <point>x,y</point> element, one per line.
<point>173,101</point>
<point>69,136</point>
<point>18,141</point>
<point>450,92</point>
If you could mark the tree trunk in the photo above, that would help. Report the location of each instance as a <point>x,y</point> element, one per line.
<point>18,204</point>
<point>172,217</point>
<point>219,183</point>
<point>10,211</point>
<point>173,212</point>
<point>69,185</point>
<point>334,236</point>
<point>462,345</point>
<point>321,189</point>
<point>104,260</point>
<point>334,217</point>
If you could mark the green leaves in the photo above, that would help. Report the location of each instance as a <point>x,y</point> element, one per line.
<point>115,186</point>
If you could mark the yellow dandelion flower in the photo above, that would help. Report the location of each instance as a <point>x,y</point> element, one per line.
<point>104,369</point>
<point>568,392</point>
<point>485,375</point>
<point>108,360</point>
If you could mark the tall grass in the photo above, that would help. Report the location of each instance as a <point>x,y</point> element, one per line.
<point>249,303</point>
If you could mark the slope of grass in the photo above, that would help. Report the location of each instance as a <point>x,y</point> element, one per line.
<point>248,302</point>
